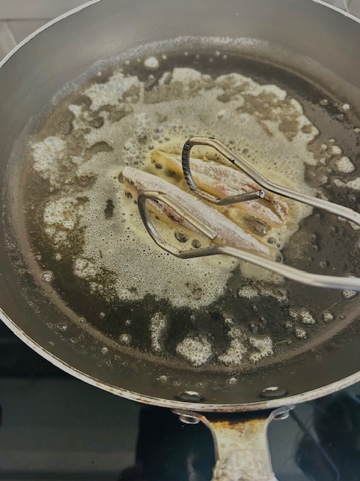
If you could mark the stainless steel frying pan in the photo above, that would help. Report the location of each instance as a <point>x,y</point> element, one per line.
<point>316,52</point>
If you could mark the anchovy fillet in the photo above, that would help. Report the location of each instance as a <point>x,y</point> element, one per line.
<point>228,232</point>
<point>224,181</point>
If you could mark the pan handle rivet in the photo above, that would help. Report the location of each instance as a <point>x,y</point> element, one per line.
<point>190,396</point>
<point>282,416</point>
<point>273,392</point>
<point>188,419</point>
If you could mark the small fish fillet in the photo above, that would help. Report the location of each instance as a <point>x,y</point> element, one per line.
<point>229,233</point>
<point>223,181</point>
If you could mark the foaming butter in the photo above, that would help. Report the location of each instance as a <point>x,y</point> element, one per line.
<point>120,124</point>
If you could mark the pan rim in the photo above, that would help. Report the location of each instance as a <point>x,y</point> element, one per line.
<point>346,13</point>
<point>44,27</point>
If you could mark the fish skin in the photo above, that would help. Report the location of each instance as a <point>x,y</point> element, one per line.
<point>224,181</point>
<point>228,232</point>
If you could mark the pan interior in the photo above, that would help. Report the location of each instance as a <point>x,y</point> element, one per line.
<point>86,249</point>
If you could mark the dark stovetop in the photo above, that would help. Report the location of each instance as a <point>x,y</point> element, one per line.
<point>54,427</point>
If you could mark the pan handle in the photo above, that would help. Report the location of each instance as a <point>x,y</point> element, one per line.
<point>240,441</point>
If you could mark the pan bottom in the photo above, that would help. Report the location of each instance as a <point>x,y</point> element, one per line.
<point>217,316</point>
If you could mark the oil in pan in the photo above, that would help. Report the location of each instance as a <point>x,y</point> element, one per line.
<point>88,240</point>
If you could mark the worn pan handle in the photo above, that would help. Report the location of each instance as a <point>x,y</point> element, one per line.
<point>240,441</point>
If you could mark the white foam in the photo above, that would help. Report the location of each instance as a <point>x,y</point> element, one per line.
<point>306,317</point>
<point>195,350</point>
<point>348,294</point>
<point>336,150</point>
<point>249,292</point>
<point>339,183</point>
<point>263,346</point>
<point>234,354</point>
<point>157,326</point>
<point>300,333</point>
<point>151,63</point>
<point>60,217</point>
<point>113,91</point>
<point>345,165</point>
<point>353,184</point>
<point>84,268</point>
<point>125,339</point>
<point>256,289</point>
<point>61,212</point>
<point>328,316</point>
<point>46,155</point>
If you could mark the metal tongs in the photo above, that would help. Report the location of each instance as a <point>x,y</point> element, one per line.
<point>351,283</point>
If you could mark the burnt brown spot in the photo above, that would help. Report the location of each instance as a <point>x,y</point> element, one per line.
<point>96,122</point>
<point>97,148</point>
<point>181,236</point>
<point>82,100</point>
<point>109,209</point>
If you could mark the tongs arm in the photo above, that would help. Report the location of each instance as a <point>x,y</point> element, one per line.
<point>257,177</point>
<point>315,280</point>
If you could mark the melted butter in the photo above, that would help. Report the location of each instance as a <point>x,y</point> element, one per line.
<point>129,122</point>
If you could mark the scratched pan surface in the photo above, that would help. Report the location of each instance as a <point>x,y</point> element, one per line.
<point>228,347</point>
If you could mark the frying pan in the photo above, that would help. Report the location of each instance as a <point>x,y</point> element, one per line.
<point>316,51</point>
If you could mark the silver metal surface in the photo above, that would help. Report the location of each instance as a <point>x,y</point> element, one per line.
<point>260,179</point>
<point>241,446</point>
